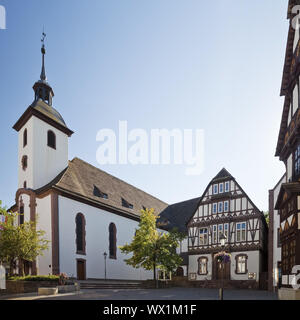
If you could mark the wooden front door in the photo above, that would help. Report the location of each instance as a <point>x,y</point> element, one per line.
<point>222,270</point>
<point>80,269</point>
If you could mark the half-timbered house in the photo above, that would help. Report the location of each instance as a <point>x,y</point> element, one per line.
<point>288,151</point>
<point>225,209</point>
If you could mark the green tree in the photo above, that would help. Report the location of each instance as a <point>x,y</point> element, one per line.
<point>19,242</point>
<point>267,217</point>
<point>152,249</point>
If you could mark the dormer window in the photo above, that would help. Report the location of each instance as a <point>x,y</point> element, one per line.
<point>24,138</point>
<point>98,193</point>
<point>126,204</point>
<point>51,139</point>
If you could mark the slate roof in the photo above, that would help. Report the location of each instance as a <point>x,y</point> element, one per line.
<point>178,214</point>
<point>46,113</point>
<point>223,174</point>
<point>85,181</point>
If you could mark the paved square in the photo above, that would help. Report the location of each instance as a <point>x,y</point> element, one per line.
<point>167,294</point>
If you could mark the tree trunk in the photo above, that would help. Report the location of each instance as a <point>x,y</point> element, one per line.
<point>154,276</point>
<point>11,268</point>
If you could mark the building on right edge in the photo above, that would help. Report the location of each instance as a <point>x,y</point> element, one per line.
<point>288,151</point>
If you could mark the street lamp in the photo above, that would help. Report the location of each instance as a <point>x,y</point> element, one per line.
<point>105,256</point>
<point>222,239</point>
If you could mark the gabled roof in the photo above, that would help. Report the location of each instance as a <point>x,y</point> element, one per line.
<point>80,178</point>
<point>47,113</point>
<point>178,214</point>
<point>223,174</point>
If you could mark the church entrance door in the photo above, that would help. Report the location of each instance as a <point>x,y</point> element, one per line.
<point>80,269</point>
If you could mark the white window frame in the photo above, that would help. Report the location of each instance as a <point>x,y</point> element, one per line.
<point>241,233</point>
<point>215,234</point>
<point>227,186</point>
<point>226,231</point>
<point>203,237</point>
<point>224,207</point>
<point>220,205</point>
<point>221,187</point>
<point>215,208</point>
<point>215,186</point>
<point>220,231</point>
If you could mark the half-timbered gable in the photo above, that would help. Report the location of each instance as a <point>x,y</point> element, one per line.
<point>225,209</point>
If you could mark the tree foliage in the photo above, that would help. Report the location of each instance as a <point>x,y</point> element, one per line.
<point>267,217</point>
<point>19,242</point>
<point>152,249</point>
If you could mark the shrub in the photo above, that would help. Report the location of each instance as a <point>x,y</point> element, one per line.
<point>35,278</point>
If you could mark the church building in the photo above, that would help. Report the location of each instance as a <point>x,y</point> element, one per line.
<point>86,212</point>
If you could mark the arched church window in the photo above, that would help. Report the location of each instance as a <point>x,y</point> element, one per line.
<point>24,162</point>
<point>112,241</point>
<point>80,233</point>
<point>51,139</point>
<point>25,138</point>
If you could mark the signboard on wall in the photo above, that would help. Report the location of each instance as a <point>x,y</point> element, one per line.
<point>2,278</point>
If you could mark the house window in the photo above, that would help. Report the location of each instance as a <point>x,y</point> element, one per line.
<point>220,207</point>
<point>278,238</point>
<point>215,189</point>
<point>227,186</point>
<point>21,216</point>
<point>112,241</point>
<point>215,234</point>
<point>241,264</point>
<point>221,187</point>
<point>226,231</point>
<point>24,138</point>
<point>202,266</point>
<point>220,231</point>
<point>24,162</point>
<point>297,161</point>
<point>203,236</point>
<point>241,232</point>
<point>80,233</point>
<point>51,139</point>
<point>215,208</point>
<point>226,206</point>
<point>25,185</point>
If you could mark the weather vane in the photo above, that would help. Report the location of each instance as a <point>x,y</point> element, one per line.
<point>43,42</point>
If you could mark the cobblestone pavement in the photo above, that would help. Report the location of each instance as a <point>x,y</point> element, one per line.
<point>167,294</point>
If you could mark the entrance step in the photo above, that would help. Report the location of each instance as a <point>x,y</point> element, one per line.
<point>109,285</point>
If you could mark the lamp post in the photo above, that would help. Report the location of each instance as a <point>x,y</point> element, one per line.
<point>223,241</point>
<point>105,256</point>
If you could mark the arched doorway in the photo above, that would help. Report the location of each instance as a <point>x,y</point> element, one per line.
<point>179,272</point>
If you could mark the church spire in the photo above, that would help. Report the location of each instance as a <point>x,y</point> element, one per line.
<point>43,50</point>
<point>42,89</point>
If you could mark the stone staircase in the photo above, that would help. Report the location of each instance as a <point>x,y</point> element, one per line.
<point>109,284</point>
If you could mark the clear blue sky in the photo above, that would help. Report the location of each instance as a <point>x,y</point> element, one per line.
<point>213,65</point>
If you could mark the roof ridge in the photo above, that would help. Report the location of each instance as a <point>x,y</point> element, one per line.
<point>114,177</point>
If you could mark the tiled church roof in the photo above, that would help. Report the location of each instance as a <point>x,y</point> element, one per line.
<point>84,181</point>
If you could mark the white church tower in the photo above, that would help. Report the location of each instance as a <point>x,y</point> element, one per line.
<point>43,137</point>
